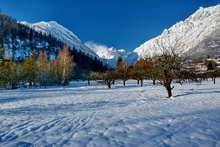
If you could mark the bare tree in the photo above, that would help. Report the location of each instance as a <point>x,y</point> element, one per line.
<point>30,70</point>
<point>107,77</point>
<point>122,71</point>
<point>65,66</point>
<point>43,69</point>
<point>141,70</point>
<point>167,65</point>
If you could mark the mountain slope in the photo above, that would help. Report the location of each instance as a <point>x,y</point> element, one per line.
<point>195,36</point>
<point>62,34</point>
<point>109,55</point>
<point>18,41</point>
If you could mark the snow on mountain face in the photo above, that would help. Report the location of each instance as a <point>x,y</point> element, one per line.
<point>188,34</point>
<point>110,55</point>
<point>198,35</point>
<point>62,34</point>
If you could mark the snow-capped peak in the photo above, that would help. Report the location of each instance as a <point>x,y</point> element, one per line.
<point>188,33</point>
<point>61,33</point>
<point>58,28</point>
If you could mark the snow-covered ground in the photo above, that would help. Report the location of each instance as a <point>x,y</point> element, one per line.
<point>94,116</point>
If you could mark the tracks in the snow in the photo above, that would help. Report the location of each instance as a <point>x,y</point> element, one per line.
<point>37,131</point>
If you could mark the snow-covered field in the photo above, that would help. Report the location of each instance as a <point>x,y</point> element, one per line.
<point>94,116</point>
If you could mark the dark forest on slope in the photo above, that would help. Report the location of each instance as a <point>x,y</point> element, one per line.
<point>17,42</point>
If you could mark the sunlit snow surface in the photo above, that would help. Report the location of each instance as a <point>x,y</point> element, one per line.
<point>95,116</point>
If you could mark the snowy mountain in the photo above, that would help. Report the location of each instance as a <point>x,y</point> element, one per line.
<point>62,34</point>
<point>197,36</point>
<point>19,40</point>
<point>109,55</point>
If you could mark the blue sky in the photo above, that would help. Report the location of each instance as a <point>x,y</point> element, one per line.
<point>119,23</point>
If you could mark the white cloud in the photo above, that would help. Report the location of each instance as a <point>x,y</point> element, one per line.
<point>104,51</point>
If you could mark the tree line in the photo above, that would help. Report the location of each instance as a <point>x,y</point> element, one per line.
<point>37,70</point>
<point>165,68</point>
<point>18,41</point>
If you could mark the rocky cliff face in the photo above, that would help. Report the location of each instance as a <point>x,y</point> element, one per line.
<point>197,36</point>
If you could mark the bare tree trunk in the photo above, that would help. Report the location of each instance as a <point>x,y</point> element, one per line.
<point>154,82</point>
<point>13,86</point>
<point>64,77</point>
<point>30,84</point>
<point>142,83</point>
<point>138,82</point>
<point>169,90</point>
<point>124,82</point>
<point>214,80</point>
<point>109,84</point>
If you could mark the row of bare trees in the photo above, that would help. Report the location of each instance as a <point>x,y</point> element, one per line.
<point>37,71</point>
<point>164,68</point>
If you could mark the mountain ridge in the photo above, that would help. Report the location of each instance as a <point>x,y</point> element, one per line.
<point>189,33</point>
<point>19,41</point>
<point>61,33</point>
<point>196,36</point>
